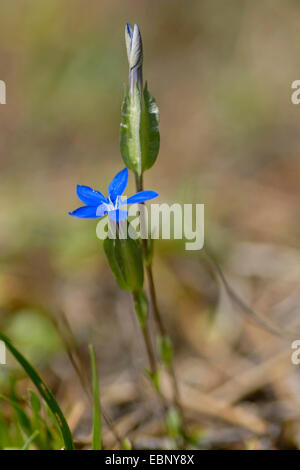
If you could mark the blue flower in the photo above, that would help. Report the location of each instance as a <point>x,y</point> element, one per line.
<point>97,205</point>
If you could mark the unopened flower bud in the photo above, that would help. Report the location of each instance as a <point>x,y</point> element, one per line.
<point>134,48</point>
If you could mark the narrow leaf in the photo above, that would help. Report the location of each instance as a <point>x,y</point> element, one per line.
<point>126,444</point>
<point>35,402</point>
<point>21,414</point>
<point>38,423</point>
<point>96,440</point>
<point>44,391</point>
<point>30,439</point>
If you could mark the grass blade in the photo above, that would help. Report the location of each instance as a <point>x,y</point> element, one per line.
<point>21,415</point>
<point>44,391</point>
<point>30,439</point>
<point>96,441</point>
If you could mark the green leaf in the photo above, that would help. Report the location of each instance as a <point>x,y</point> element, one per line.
<point>35,402</point>
<point>130,144</point>
<point>44,391</point>
<point>30,439</point>
<point>139,140</point>
<point>129,256</point>
<point>21,414</point>
<point>165,349</point>
<point>154,378</point>
<point>109,248</point>
<point>150,138</point>
<point>5,434</point>
<point>173,422</point>
<point>96,441</point>
<point>126,444</point>
<point>44,440</point>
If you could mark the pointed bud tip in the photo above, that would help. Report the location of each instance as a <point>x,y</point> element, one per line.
<point>128,29</point>
<point>128,39</point>
<point>134,47</point>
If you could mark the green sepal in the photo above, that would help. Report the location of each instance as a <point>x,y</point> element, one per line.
<point>109,248</point>
<point>126,262</point>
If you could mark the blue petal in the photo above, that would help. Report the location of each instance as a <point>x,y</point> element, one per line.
<point>118,215</point>
<point>118,184</point>
<point>89,196</point>
<point>85,212</point>
<point>101,210</point>
<point>142,196</point>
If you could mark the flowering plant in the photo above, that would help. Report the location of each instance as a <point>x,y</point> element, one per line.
<point>130,257</point>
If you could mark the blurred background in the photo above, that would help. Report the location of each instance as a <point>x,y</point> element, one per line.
<point>221,75</point>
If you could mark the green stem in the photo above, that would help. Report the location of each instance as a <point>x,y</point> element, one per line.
<point>150,353</point>
<point>163,333</point>
<point>156,311</point>
<point>141,309</point>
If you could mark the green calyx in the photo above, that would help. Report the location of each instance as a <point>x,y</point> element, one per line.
<point>126,262</point>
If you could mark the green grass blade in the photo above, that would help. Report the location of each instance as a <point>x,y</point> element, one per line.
<point>44,391</point>
<point>30,439</point>
<point>34,402</point>
<point>96,441</point>
<point>21,415</point>
<point>38,423</point>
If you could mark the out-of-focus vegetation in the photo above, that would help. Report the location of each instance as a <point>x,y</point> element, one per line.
<point>221,74</point>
